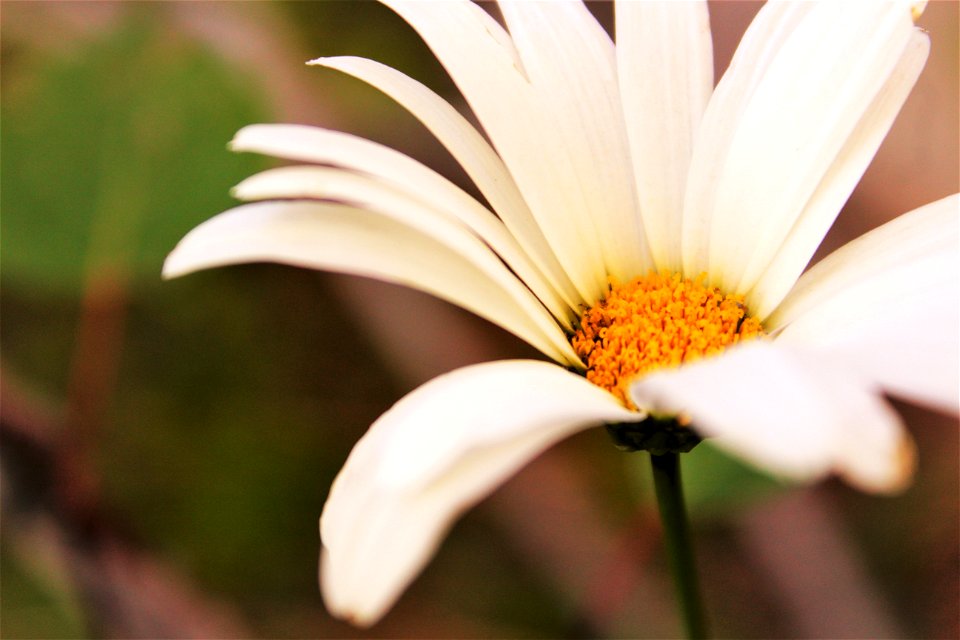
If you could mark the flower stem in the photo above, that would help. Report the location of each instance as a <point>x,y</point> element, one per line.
<point>676,534</point>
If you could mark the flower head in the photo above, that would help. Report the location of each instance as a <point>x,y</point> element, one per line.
<point>644,229</point>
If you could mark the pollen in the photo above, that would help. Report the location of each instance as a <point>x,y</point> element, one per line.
<point>657,321</point>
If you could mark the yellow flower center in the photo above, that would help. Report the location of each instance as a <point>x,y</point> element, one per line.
<point>657,321</point>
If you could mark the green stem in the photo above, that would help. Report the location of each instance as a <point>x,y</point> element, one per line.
<point>676,534</point>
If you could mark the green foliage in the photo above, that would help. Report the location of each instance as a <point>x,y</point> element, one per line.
<point>112,153</point>
<point>229,424</point>
<point>713,482</point>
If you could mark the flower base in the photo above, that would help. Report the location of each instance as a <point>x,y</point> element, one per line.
<point>656,435</point>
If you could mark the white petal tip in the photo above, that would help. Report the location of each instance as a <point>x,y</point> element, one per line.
<point>317,62</point>
<point>896,476</point>
<point>168,272</point>
<point>173,267</point>
<point>343,603</point>
<point>242,139</point>
<point>354,617</point>
<point>245,190</point>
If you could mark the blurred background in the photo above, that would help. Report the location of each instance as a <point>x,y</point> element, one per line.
<point>167,446</point>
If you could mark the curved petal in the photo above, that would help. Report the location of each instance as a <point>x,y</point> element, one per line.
<point>665,69</point>
<point>911,350</point>
<point>791,413</point>
<point>436,453</point>
<point>337,185</point>
<point>349,240</point>
<point>837,185</point>
<point>928,230</point>
<point>471,151</point>
<point>570,62</point>
<point>790,127</point>
<point>887,302</point>
<point>313,144</point>
<point>484,64</point>
<point>757,49</point>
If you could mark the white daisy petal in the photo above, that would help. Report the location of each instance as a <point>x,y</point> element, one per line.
<point>369,193</point>
<point>928,230</point>
<point>472,152</point>
<point>482,61</point>
<point>823,207</point>
<point>665,67</point>
<point>888,302</point>
<point>758,47</point>
<point>570,62</point>
<point>911,349</point>
<point>437,452</point>
<point>792,126</point>
<point>785,412</point>
<point>875,451</point>
<point>313,144</point>
<point>349,240</point>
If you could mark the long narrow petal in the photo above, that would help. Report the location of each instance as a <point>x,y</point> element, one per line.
<point>909,349</point>
<point>436,453</point>
<point>472,152</point>
<point>758,47</point>
<point>792,125</point>
<point>827,75</point>
<point>888,302</point>
<point>337,185</point>
<point>794,414</point>
<point>839,182</point>
<point>313,144</point>
<point>665,68</point>
<point>349,240</point>
<point>570,62</point>
<point>482,61</point>
<point>928,230</point>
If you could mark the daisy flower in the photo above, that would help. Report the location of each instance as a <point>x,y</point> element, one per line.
<point>644,229</point>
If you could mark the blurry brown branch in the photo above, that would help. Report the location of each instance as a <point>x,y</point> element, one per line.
<point>93,373</point>
<point>54,520</point>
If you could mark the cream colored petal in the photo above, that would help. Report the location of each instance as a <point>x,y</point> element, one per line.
<point>665,68</point>
<point>482,61</point>
<point>791,127</point>
<point>822,209</point>
<point>435,454</point>
<point>349,240</point>
<point>758,48</point>
<point>909,349</point>
<point>570,62</point>
<point>472,152</point>
<point>926,231</point>
<point>788,412</point>
<point>337,185</point>
<point>313,144</point>
<point>796,124</point>
<point>888,303</point>
<point>875,452</point>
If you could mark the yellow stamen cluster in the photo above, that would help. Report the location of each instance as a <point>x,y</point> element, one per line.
<point>656,321</point>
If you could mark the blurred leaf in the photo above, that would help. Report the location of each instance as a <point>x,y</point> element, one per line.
<point>112,154</point>
<point>238,402</point>
<point>713,482</point>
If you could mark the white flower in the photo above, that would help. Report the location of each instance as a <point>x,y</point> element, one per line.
<point>612,162</point>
